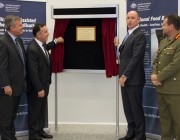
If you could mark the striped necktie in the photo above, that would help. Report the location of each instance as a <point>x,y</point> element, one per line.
<point>19,49</point>
<point>21,54</point>
<point>46,53</point>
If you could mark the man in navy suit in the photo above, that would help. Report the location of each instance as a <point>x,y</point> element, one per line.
<point>12,75</point>
<point>132,77</point>
<point>39,72</point>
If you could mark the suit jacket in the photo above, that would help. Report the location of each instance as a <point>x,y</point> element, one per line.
<point>167,65</point>
<point>12,70</point>
<point>132,58</point>
<point>39,69</point>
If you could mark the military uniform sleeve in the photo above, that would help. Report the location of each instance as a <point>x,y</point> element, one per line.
<point>172,68</point>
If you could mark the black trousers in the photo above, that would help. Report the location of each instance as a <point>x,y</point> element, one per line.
<point>37,108</point>
<point>132,104</point>
<point>8,110</point>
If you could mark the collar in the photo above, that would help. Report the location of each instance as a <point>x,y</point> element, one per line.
<point>176,36</point>
<point>12,36</point>
<point>39,42</point>
<point>132,30</point>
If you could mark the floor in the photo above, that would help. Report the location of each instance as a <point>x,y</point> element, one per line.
<point>84,132</point>
<point>78,136</point>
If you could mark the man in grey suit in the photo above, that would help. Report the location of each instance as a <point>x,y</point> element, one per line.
<point>39,72</point>
<point>132,77</point>
<point>12,75</point>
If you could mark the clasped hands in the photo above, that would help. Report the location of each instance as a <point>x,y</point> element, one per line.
<point>155,80</point>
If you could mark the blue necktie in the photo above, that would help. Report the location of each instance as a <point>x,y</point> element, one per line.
<point>21,54</point>
<point>127,35</point>
<point>19,49</point>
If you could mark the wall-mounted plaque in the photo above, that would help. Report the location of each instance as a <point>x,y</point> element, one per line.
<point>86,33</point>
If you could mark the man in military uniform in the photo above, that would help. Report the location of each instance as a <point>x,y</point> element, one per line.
<point>166,78</point>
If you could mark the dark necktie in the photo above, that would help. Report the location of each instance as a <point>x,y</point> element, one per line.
<point>19,49</point>
<point>21,54</point>
<point>46,53</point>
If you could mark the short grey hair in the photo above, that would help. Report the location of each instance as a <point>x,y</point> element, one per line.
<point>10,20</point>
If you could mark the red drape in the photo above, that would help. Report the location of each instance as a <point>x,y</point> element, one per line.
<point>58,52</point>
<point>108,34</point>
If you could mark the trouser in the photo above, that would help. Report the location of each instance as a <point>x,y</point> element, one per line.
<point>8,109</point>
<point>132,104</point>
<point>37,108</point>
<point>169,116</point>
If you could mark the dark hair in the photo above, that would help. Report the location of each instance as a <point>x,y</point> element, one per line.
<point>173,19</point>
<point>37,27</point>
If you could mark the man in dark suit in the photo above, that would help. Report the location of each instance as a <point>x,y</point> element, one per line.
<point>39,72</point>
<point>12,75</point>
<point>132,77</point>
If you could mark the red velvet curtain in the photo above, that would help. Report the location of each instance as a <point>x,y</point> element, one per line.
<point>108,34</point>
<point>58,52</point>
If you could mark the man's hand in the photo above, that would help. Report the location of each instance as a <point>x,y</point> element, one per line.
<point>8,90</point>
<point>154,77</point>
<point>116,41</point>
<point>41,94</point>
<point>155,80</point>
<point>122,80</point>
<point>59,40</point>
<point>156,83</point>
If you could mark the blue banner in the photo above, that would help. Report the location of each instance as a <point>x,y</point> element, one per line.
<point>30,12</point>
<point>152,14</point>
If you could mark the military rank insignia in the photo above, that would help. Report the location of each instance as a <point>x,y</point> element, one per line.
<point>177,36</point>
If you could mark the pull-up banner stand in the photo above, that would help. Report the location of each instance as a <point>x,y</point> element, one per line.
<point>30,12</point>
<point>152,14</point>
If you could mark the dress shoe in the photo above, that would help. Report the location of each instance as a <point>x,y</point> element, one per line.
<point>45,135</point>
<point>127,137</point>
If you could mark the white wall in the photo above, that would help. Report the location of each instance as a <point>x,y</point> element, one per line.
<point>85,97</point>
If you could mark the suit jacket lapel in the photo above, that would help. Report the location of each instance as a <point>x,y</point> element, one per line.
<point>130,36</point>
<point>11,41</point>
<point>41,52</point>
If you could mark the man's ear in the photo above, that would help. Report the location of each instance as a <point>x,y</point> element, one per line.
<point>38,34</point>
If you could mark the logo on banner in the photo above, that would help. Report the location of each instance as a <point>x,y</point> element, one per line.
<point>1,5</point>
<point>133,5</point>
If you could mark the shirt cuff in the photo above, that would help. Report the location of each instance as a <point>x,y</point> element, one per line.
<point>55,41</point>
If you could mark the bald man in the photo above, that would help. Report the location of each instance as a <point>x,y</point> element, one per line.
<point>132,76</point>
